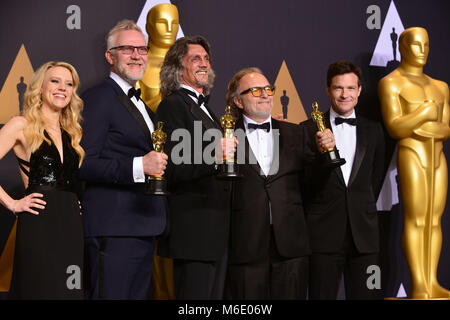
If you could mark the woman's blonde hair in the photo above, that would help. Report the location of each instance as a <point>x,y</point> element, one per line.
<point>70,117</point>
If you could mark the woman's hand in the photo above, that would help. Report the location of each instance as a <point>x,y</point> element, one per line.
<point>28,202</point>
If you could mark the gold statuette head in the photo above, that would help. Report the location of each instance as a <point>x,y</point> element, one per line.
<point>227,121</point>
<point>159,137</point>
<point>162,25</point>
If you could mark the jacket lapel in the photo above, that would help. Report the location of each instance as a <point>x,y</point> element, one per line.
<point>250,158</point>
<point>132,109</point>
<point>198,113</point>
<point>277,149</point>
<point>361,146</point>
<point>338,170</point>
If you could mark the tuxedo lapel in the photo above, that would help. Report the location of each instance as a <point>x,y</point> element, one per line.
<point>198,113</point>
<point>361,146</point>
<point>216,120</point>
<point>338,170</point>
<point>132,109</point>
<point>277,149</point>
<point>250,158</point>
<point>150,114</point>
<point>327,120</point>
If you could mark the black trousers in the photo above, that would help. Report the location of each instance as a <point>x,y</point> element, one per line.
<point>327,270</point>
<point>274,278</point>
<point>119,267</point>
<point>199,280</point>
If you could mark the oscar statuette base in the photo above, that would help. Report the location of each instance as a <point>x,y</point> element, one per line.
<point>156,187</point>
<point>229,171</point>
<point>331,159</point>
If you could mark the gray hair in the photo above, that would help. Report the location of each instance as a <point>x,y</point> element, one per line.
<point>233,87</point>
<point>171,74</point>
<point>120,26</point>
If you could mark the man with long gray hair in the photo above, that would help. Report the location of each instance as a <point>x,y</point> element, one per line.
<point>196,236</point>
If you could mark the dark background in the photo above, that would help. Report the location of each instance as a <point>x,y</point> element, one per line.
<point>308,35</point>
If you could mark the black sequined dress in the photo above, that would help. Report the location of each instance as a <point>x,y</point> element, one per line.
<point>48,261</point>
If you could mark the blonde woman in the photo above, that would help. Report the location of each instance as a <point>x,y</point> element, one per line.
<point>46,141</point>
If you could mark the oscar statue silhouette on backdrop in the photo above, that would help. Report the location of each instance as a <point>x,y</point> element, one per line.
<point>284,99</point>
<point>162,28</point>
<point>416,112</point>
<point>21,88</point>
<point>394,38</point>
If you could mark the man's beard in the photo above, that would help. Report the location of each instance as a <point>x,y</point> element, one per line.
<point>207,85</point>
<point>129,76</point>
<point>123,72</point>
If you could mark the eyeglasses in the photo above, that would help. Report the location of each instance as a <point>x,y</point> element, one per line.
<point>128,50</point>
<point>257,91</point>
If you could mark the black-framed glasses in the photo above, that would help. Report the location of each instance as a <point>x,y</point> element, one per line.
<point>128,50</point>
<point>257,91</point>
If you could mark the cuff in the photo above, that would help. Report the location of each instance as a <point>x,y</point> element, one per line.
<point>138,170</point>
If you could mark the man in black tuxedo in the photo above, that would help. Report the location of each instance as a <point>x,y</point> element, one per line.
<point>120,221</point>
<point>340,203</point>
<point>269,246</point>
<point>196,236</point>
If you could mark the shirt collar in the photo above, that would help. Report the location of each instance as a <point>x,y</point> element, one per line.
<point>247,120</point>
<point>125,86</point>
<point>190,89</point>
<point>334,115</point>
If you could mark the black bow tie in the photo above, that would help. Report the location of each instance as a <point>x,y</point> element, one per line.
<point>264,126</point>
<point>350,121</point>
<point>134,93</point>
<point>201,99</point>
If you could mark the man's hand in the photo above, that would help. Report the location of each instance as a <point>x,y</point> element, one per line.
<point>154,163</point>
<point>325,140</point>
<point>226,149</point>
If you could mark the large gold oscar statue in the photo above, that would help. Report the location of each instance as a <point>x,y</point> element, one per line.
<point>415,110</point>
<point>162,28</point>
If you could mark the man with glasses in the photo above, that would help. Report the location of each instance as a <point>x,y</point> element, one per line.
<point>340,202</point>
<point>120,221</point>
<point>269,246</point>
<point>199,204</point>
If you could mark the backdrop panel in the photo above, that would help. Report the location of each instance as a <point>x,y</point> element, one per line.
<point>293,42</point>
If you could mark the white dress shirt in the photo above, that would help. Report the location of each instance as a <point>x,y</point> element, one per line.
<point>345,136</point>
<point>138,167</point>
<point>261,143</point>
<point>196,99</point>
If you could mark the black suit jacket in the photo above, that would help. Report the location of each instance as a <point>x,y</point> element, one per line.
<point>198,204</point>
<point>114,132</point>
<point>330,204</point>
<point>250,227</point>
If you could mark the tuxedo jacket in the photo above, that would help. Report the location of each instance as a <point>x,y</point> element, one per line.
<point>198,204</point>
<point>280,189</point>
<point>114,132</point>
<point>330,205</point>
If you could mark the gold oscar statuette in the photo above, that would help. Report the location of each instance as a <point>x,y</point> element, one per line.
<point>416,112</point>
<point>156,184</point>
<point>228,170</point>
<point>162,27</point>
<point>330,157</point>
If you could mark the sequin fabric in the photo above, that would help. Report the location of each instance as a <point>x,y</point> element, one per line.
<point>46,168</point>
